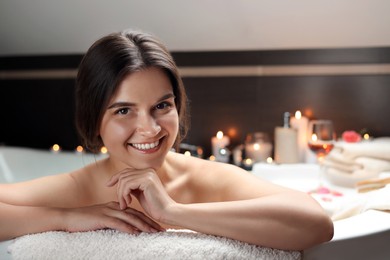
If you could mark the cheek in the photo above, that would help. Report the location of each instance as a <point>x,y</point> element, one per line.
<point>114,130</point>
<point>171,123</point>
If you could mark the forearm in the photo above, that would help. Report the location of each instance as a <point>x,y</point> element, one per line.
<point>279,221</point>
<point>21,220</point>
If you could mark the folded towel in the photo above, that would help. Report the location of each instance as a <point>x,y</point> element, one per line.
<point>378,148</point>
<point>377,199</point>
<point>111,244</point>
<point>349,163</point>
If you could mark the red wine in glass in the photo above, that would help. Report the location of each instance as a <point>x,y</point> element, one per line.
<point>321,138</point>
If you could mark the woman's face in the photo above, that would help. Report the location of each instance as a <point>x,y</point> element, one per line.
<point>141,121</point>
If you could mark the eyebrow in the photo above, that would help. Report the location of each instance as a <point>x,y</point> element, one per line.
<point>129,104</point>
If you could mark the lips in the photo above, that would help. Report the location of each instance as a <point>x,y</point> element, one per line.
<point>146,146</point>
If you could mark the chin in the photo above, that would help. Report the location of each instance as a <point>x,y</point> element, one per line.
<point>155,164</point>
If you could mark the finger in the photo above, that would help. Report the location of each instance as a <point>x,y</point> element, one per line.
<point>134,221</point>
<point>128,200</point>
<point>141,222</point>
<point>145,218</point>
<point>129,221</point>
<point>115,178</point>
<point>124,191</point>
<point>123,226</point>
<point>115,207</point>
<point>122,203</point>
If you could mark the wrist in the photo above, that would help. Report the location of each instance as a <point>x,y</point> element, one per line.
<point>173,214</point>
<point>59,219</point>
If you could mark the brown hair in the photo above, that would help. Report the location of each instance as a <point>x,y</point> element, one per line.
<point>105,65</point>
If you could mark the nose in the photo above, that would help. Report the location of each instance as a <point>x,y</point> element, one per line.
<point>147,126</point>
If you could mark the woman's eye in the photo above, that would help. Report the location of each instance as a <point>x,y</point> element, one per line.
<point>163,105</point>
<point>122,111</point>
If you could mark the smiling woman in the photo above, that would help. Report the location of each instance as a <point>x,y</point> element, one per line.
<point>141,119</point>
<point>130,98</point>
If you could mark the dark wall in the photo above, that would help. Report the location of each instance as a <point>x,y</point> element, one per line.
<point>38,112</point>
<point>242,105</point>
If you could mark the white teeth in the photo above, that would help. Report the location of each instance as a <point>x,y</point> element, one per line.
<point>146,146</point>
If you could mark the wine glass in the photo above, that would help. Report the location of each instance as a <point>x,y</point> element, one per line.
<point>321,139</point>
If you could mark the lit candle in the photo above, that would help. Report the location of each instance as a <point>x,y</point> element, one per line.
<point>258,152</point>
<point>248,162</point>
<point>300,123</point>
<point>270,160</point>
<point>219,143</point>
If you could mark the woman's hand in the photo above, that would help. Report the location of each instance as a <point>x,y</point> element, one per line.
<point>146,186</point>
<point>108,216</point>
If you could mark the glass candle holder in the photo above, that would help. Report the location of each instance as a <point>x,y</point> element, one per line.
<point>258,147</point>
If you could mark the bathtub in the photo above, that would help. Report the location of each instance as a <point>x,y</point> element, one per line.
<point>21,164</point>
<point>364,236</point>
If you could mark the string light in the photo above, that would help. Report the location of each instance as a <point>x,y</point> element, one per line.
<point>79,149</point>
<point>55,148</point>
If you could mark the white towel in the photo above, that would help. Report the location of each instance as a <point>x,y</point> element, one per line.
<point>111,244</point>
<point>349,163</point>
<point>377,199</point>
<point>378,148</point>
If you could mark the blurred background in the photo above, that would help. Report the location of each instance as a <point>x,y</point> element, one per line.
<point>244,63</point>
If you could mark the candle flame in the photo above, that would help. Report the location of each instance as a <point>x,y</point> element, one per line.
<point>56,148</point>
<point>187,153</point>
<point>366,136</point>
<point>256,146</point>
<point>298,114</point>
<point>314,137</point>
<point>269,160</point>
<point>79,149</point>
<point>220,135</point>
<point>248,161</point>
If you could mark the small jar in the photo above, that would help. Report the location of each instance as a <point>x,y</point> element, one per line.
<point>258,147</point>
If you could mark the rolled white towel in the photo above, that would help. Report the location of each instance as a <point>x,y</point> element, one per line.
<point>378,148</point>
<point>349,163</point>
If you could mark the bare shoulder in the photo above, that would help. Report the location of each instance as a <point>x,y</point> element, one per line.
<point>58,190</point>
<point>223,181</point>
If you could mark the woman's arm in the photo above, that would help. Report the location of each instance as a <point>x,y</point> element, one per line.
<point>251,209</point>
<point>288,220</point>
<point>21,220</point>
<point>232,203</point>
<point>54,204</point>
